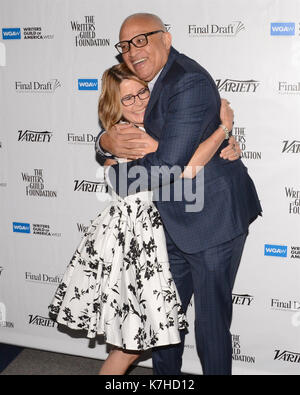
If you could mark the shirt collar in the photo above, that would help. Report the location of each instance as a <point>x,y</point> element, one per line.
<point>151,83</point>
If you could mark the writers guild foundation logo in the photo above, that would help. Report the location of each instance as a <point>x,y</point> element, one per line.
<point>32,136</point>
<point>287,356</point>
<point>291,147</point>
<point>39,320</point>
<point>240,135</point>
<point>81,138</point>
<point>90,186</point>
<point>42,278</point>
<point>37,86</point>
<point>237,86</point>
<point>83,228</point>
<point>86,33</point>
<point>237,354</point>
<point>214,30</point>
<point>242,299</point>
<point>293,197</point>
<point>285,88</point>
<point>36,185</point>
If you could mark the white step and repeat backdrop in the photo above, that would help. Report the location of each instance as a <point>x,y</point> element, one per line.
<point>52,56</point>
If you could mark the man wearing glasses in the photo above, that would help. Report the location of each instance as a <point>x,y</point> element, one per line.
<point>204,247</point>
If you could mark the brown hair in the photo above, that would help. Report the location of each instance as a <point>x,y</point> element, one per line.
<point>110,108</point>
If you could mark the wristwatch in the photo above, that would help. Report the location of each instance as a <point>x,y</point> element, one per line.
<point>226,130</point>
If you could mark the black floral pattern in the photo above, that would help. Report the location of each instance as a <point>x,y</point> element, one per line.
<point>118,282</point>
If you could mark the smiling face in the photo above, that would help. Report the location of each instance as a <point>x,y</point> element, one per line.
<point>147,61</point>
<point>135,112</point>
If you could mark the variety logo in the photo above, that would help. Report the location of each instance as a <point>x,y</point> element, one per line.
<point>291,147</point>
<point>90,186</point>
<point>239,134</point>
<point>37,87</point>
<point>213,30</point>
<point>237,354</point>
<point>237,86</point>
<point>87,84</point>
<point>282,29</point>
<point>36,185</point>
<point>20,227</point>
<point>287,356</point>
<point>41,321</point>
<point>11,34</point>
<point>294,200</point>
<point>276,250</point>
<point>86,33</point>
<point>33,136</point>
<point>242,299</point>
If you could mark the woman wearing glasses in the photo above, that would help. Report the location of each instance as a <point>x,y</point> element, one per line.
<point>118,282</point>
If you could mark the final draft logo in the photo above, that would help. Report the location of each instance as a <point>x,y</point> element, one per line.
<point>36,185</point>
<point>289,88</point>
<point>86,33</point>
<point>241,136</point>
<point>81,138</point>
<point>287,356</point>
<point>237,86</point>
<point>37,86</point>
<point>231,29</point>
<point>32,136</point>
<point>43,278</point>
<point>285,305</point>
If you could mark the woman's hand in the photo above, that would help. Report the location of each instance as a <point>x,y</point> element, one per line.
<point>226,114</point>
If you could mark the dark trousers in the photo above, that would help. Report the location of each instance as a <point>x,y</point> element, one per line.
<point>209,275</point>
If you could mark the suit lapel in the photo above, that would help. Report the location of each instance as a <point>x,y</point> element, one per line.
<point>158,84</point>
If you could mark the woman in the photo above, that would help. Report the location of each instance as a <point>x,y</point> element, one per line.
<point>118,282</point>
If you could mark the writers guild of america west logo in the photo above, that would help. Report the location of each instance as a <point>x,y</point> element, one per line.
<point>291,147</point>
<point>293,196</point>
<point>37,86</point>
<point>36,185</point>
<point>215,30</point>
<point>86,33</point>
<point>287,356</point>
<point>237,354</point>
<point>240,135</point>
<point>33,136</point>
<point>39,320</point>
<point>237,86</point>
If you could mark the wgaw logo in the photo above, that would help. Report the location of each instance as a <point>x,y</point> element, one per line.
<point>282,29</point>
<point>287,356</point>
<point>276,250</point>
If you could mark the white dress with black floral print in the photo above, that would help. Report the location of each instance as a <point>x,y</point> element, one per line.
<point>118,282</point>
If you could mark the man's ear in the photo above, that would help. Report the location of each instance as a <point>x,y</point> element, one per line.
<point>168,40</point>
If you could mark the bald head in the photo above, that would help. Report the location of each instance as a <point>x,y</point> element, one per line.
<point>143,16</point>
<point>147,60</point>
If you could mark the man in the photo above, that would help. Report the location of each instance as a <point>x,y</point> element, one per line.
<point>204,247</point>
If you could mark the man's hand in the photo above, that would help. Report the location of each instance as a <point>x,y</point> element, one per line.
<point>127,141</point>
<point>232,151</point>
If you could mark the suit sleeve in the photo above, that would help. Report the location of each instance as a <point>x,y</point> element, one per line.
<point>191,106</point>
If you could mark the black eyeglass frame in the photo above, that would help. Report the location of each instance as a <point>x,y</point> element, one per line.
<point>137,95</point>
<point>131,41</point>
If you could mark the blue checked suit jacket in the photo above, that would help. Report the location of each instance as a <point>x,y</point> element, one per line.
<point>182,112</point>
